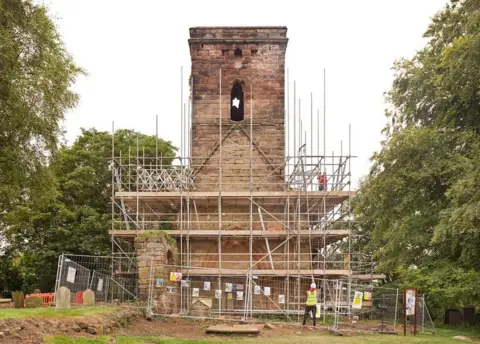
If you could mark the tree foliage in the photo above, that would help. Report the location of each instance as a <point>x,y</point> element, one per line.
<point>36,73</point>
<point>74,217</point>
<point>420,202</point>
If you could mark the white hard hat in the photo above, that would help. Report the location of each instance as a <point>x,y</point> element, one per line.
<point>313,286</point>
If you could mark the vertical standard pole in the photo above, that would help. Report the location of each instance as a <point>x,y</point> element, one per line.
<point>404,312</point>
<point>181,114</point>
<point>288,121</point>
<point>349,212</point>
<point>251,195</point>
<point>324,251</point>
<point>187,135</point>
<point>294,122</point>
<point>300,140</point>
<point>311,129</point>
<point>113,183</point>
<point>396,311</point>
<point>156,143</point>
<point>220,194</point>
<point>181,181</point>
<point>137,188</point>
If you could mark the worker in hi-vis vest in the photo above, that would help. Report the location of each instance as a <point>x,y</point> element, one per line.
<point>311,304</point>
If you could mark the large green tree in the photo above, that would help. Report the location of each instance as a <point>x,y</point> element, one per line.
<point>420,203</point>
<point>75,217</point>
<point>36,73</point>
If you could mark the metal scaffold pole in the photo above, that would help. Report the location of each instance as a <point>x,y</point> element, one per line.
<point>324,217</point>
<point>220,194</point>
<point>251,200</point>
<point>113,187</point>
<point>181,184</point>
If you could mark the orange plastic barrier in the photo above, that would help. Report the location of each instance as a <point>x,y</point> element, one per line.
<point>47,298</point>
<point>79,298</point>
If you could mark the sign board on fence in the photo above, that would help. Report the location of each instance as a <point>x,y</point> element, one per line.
<point>175,276</point>
<point>159,282</point>
<point>266,291</point>
<point>218,293</point>
<point>257,290</point>
<point>410,295</point>
<point>206,285</point>
<point>71,274</point>
<point>281,299</point>
<point>357,300</point>
<point>239,295</point>
<point>196,292</point>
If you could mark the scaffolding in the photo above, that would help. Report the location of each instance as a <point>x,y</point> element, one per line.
<point>274,219</point>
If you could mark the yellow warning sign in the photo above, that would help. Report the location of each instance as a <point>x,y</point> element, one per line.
<point>357,300</point>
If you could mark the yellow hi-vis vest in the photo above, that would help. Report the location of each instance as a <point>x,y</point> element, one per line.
<point>311,298</point>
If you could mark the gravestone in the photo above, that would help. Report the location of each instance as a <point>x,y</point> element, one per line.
<point>88,297</point>
<point>34,302</point>
<point>62,298</point>
<point>37,291</point>
<point>18,299</point>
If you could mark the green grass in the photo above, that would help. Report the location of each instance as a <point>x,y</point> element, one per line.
<point>444,336</point>
<point>51,312</point>
<point>79,340</point>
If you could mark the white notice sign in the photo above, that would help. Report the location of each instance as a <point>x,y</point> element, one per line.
<point>100,284</point>
<point>71,274</point>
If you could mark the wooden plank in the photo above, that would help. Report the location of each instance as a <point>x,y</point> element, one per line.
<point>227,272</point>
<point>237,194</point>
<point>339,233</point>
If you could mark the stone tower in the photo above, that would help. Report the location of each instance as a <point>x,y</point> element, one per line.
<point>252,63</point>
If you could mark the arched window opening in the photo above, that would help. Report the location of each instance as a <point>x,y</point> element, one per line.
<point>236,103</point>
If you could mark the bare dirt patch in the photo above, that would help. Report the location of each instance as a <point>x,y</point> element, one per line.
<point>195,329</point>
<point>32,330</point>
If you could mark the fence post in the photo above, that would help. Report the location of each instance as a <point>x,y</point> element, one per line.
<point>91,282</point>
<point>396,311</point>
<point>59,276</point>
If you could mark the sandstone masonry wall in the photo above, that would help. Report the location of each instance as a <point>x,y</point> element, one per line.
<point>156,252</point>
<point>263,71</point>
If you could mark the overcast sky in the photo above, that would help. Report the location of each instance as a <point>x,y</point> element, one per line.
<point>133,51</point>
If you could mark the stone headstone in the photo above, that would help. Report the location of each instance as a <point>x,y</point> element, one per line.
<point>18,299</point>
<point>62,298</point>
<point>37,291</point>
<point>88,297</point>
<point>34,302</point>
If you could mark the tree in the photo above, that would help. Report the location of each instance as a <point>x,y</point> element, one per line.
<point>420,202</point>
<point>75,218</point>
<point>36,73</point>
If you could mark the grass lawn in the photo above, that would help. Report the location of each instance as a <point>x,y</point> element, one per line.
<point>51,312</point>
<point>444,336</point>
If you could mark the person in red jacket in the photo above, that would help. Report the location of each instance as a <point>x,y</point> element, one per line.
<point>322,181</point>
